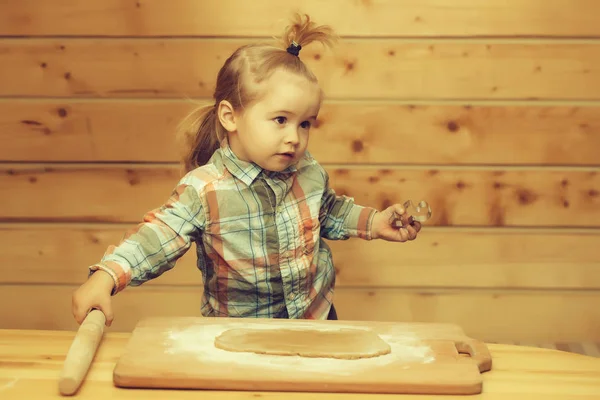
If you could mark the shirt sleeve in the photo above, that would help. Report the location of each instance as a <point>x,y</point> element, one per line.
<point>341,218</point>
<point>154,245</point>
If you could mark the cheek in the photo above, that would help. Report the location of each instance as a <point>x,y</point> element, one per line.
<point>252,129</point>
<point>305,136</point>
<point>261,127</point>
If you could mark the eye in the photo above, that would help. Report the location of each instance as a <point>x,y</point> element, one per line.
<point>305,124</point>
<point>280,120</point>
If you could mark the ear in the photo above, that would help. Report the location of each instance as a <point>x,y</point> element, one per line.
<point>226,115</point>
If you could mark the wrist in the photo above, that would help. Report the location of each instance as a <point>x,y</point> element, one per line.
<point>375,225</point>
<point>103,279</point>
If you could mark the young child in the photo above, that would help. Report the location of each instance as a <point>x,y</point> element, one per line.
<point>253,200</point>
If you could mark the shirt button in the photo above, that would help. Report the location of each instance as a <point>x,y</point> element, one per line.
<point>292,296</point>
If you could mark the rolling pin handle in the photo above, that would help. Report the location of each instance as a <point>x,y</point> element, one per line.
<point>81,352</point>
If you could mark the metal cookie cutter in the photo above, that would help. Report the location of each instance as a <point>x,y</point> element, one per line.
<point>420,212</point>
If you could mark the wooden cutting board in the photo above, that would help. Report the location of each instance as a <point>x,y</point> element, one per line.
<point>179,353</point>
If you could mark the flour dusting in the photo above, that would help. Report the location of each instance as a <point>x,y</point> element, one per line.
<point>9,385</point>
<point>198,341</point>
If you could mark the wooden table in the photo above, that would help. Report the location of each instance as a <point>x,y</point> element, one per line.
<point>30,362</point>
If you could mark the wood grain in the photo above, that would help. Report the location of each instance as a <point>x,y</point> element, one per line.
<point>357,69</point>
<point>483,314</point>
<point>501,258</point>
<point>364,18</point>
<point>157,358</point>
<point>31,361</point>
<point>458,196</point>
<point>348,132</point>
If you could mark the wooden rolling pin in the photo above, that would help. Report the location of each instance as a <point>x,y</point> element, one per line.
<point>81,353</point>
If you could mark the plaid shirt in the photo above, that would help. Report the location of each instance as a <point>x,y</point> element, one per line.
<point>258,234</point>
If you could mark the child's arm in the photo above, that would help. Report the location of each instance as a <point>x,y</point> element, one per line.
<point>146,252</point>
<point>341,219</point>
<point>154,245</point>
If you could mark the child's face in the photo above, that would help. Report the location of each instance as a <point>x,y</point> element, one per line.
<point>273,131</point>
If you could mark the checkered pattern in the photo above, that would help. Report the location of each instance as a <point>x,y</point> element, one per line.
<point>258,235</point>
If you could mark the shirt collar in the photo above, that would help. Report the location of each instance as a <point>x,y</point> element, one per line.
<point>246,171</point>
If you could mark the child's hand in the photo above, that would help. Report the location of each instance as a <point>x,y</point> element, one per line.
<point>94,293</point>
<point>384,225</point>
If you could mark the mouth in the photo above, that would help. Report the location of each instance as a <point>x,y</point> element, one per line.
<point>288,154</point>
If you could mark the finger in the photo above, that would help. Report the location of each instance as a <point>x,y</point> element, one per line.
<point>79,314</point>
<point>398,209</point>
<point>106,309</point>
<point>395,209</point>
<point>412,232</point>
<point>392,215</point>
<point>396,213</point>
<point>403,235</point>
<point>407,219</point>
<point>416,225</point>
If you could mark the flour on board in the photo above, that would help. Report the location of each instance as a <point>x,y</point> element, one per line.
<point>198,341</point>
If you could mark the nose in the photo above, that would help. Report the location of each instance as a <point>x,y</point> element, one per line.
<point>292,137</point>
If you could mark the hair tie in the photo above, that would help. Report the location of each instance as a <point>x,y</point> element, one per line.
<point>294,49</point>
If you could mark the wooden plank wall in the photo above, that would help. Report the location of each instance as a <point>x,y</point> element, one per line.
<point>487,109</point>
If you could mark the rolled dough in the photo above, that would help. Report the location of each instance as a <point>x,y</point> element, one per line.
<point>342,343</point>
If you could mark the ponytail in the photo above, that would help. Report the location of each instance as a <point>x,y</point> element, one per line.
<point>238,82</point>
<point>201,133</point>
<point>303,31</point>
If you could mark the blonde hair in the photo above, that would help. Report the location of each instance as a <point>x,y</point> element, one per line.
<point>201,131</point>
